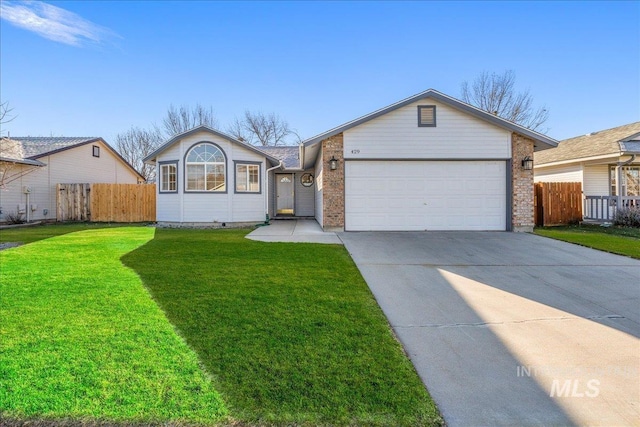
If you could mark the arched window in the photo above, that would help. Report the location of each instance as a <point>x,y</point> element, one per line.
<point>206,168</point>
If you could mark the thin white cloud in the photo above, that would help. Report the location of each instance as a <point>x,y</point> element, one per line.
<point>54,23</point>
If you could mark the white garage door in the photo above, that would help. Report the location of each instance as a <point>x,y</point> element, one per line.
<point>425,195</point>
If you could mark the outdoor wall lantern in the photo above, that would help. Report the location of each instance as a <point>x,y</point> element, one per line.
<point>527,163</point>
<point>333,163</point>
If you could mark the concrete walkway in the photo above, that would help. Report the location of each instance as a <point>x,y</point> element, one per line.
<point>294,230</point>
<point>511,328</point>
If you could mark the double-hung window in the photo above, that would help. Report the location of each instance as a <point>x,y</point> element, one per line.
<point>247,178</point>
<point>630,184</point>
<point>168,177</point>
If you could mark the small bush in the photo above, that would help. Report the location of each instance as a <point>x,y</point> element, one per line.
<point>14,218</point>
<point>628,217</point>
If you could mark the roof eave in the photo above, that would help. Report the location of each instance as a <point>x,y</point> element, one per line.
<point>88,141</point>
<point>150,159</point>
<point>580,159</point>
<point>455,103</point>
<point>28,162</point>
<point>68,147</point>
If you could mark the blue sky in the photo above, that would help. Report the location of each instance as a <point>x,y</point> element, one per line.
<point>98,68</point>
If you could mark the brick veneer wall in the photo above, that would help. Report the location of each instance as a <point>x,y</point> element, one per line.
<point>521,185</point>
<point>333,184</point>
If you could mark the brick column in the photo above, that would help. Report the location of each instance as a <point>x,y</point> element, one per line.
<point>521,185</point>
<point>333,184</point>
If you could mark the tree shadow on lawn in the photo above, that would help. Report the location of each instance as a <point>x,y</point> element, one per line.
<point>25,235</point>
<point>290,331</point>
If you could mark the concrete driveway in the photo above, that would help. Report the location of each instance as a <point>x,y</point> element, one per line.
<point>511,328</point>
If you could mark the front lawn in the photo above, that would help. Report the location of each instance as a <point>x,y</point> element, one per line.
<point>290,333</point>
<point>81,337</point>
<point>617,240</point>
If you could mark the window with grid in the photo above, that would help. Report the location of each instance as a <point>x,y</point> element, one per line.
<point>169,177</point>
<point>630,184</point>
<point>205,166</point>
<point>247,178</point>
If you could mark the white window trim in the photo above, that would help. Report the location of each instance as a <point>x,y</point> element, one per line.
<point>205,164</point>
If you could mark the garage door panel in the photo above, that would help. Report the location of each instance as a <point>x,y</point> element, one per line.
<point>425,195</point>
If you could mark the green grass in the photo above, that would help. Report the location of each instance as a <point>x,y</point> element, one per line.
<point>290,331</point>
<point>44,231</point>
<point>81,338</point>
<point>617,240</point>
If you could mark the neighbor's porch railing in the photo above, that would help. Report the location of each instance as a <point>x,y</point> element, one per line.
<point>603,208</point>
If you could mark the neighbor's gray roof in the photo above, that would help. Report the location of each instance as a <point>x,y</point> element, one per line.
<point>615,141</point>
<point>290,155</point>
<point>22,161</point>
<point>34,147</point>
<point>543,141</point>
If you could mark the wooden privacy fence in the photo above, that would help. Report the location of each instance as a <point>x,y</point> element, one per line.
<point>73,202</point>
<point>106,202</point>
<point>557,203</point>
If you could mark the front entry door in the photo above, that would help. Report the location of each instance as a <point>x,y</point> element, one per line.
<point>284,194</point>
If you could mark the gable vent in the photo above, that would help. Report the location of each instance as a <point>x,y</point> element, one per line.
<point>426,115</point>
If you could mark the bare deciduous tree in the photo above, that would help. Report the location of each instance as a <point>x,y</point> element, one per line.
<point>5,117</point>
<point>135,144</point>
<point>182,119</point>
<point>261,129</point>
<point>496,94</point>
<point>10,170</point>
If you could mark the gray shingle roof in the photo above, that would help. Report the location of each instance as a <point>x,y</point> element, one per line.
<point>289,154</point>
<point>599,143</point>
<point>27,149</point>
<point>39,146</point>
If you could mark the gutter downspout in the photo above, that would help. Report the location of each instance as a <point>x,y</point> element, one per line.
<point>619,183</point>
<point>266,192</point>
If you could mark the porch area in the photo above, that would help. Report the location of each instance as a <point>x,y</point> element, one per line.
<point>603,208</point>
<point>294,230</point>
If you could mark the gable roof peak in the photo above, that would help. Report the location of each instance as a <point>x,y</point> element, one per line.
<point>542,140</point>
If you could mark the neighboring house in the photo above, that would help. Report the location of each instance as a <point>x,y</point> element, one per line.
<point>606,163</point>
<point>30,169</point>
<point>428,162</point>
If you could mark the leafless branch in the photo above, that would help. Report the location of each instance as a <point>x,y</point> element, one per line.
<point>496,94</point>
<point>5,115</point>
<point>261,129</point>
<point>135,144</point>
<point>182,119</point>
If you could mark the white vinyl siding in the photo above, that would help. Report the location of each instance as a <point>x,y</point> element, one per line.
<point>168,207</point>
<point>75,165</point>
<point>425,195</point>
<point>218,207</point>
<point>457,135</point>
<point>564,173</point>
<point>596,180</point>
